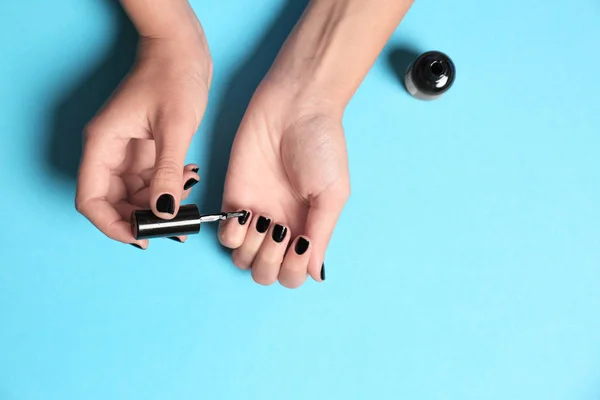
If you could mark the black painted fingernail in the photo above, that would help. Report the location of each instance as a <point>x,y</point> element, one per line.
<point>279,233</point>
<point>165,204</point>
<point>244,218</point>
<point>175,238</point>
<point>189,184</point>
<point>262,224</point>
<point>137,246</point>
<point>323,272</point>
<point>301,246</point>
<point>195,169</point>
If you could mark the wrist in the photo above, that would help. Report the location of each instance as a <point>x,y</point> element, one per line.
<point>191,55</point>
<point>170,31</point>
<point>162,18</point>
<point>334,45</point>
<point>304,67</point>
<point>294,101</point>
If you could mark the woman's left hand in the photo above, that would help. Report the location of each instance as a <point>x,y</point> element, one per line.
<point>289,170</point>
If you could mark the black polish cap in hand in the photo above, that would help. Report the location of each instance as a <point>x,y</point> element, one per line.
<point>430,75</point>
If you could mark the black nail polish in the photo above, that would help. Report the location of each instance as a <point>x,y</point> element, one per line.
<point>301,246</point>
<point>262,224</point>
<point>195,169</point>
<point>165,204</point>
<point>137,246</point>
<point>279,233</point>
<point>323,272</point>
<point>430,75</point>
<point>190,183</point>
<point>244,218</point>
<point>175,238</point>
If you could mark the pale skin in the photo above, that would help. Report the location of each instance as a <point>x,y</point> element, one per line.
<point>288,162</point>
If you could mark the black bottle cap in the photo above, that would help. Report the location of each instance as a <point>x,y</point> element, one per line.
<point>145,225</point>
<point>430,75</point>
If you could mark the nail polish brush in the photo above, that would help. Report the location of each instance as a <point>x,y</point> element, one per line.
<point>146,225</point>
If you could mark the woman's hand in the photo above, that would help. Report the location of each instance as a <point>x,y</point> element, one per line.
<point>289,170</point>
<point>135,148</point>
<point>288,164</point>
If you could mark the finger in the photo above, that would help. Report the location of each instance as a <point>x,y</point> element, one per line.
<point>93,184</point>
<point>244,255</point>
<point>141,196</point>
<point>190,179</point>
<point>233,231</point>
<point>192,167</point>
<point>173,135</point>
<point>179,239</point>
<point>294,269</point>
<point>134,183</point>
<point>148,173</point>
<point>266,265</point>
<point>125,210</point>
<point>190,173</point>
<point>322,217</point>
<point>109,221</point>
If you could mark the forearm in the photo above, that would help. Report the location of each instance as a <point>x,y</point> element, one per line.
<point>335,44</point>
<point>163,18</point>
<point>169,30</point>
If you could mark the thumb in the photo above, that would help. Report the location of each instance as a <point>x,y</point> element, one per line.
<point>323,215</point>
<point>172,138</point>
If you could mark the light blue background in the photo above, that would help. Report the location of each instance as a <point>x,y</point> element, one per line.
<point>466,264</point>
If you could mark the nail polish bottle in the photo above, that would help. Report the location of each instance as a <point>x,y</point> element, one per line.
<point>430,75</point>
<point>146,225</point>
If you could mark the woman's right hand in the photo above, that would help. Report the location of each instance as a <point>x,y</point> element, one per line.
<point>135,148</point>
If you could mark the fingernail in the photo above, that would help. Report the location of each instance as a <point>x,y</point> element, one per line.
<point>189,184</point>
<point>195,169</point>
<point>137,246</point>
<point>279,233</point>
<point>262,224</point>
<point>323,272</point>
<point>175,238</point>
<point>301,246</point>
<point>165,204</point>
<point>244,218</point>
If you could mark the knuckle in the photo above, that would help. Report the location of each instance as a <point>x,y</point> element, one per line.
<point>264,273</point>
<point>270,259</point>
<point>168,164</point>
<point>90,131</point>
<point>290,283</point>
<point>264,279</point>
<point>97,125</point>
<point>175,116</point>
<point>79,205</point>
<point>295,269</point>
<point>343,192</point>
<point>346,191</point>
<point>228,240</point>
<point>167,170</point>
<point>239,261</point>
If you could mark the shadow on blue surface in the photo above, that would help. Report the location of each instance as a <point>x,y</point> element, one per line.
<point>399,58</point>
<point>79,104</point>
<point>237,94</point>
